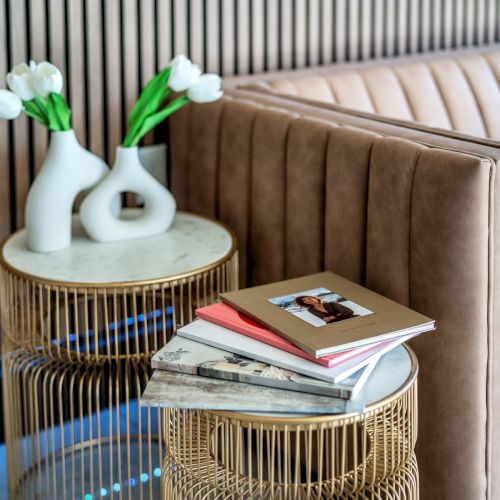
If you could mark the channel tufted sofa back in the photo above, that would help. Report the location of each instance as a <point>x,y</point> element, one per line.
<point>456,91</point>
<point>407,213</point>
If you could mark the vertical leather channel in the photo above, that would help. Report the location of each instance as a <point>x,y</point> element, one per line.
<point>423,95</point>
<point>350,91</point>
<point>234,189</point>
<point>392,169</point>
<point>461,103</point>
<point>267,233</point>
<point>305,196</point>
<point>203,143</point>
<point>386,93</point>
<point>348,161</point>
<point>178,130</point>
<point>314,87</point>
<point>485,88</point>
<point>448,273</point>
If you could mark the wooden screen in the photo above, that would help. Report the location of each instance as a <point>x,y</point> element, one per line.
<point>108,49</point>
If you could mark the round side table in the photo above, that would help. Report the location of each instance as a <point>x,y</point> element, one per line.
<point>219,455</point>
<point>80,326</point>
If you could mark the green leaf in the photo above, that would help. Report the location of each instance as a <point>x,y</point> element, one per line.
<point>153,120</point>
<point>34,111</point>
<point>35,116</point>
<point>62,110</point>
<point>47,105</point>
<point>151,97</point>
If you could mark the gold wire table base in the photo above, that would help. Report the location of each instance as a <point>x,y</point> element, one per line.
<point>176,484</point>
<point>75,363</point>
<point>214,455</point>
<point>77,431</point>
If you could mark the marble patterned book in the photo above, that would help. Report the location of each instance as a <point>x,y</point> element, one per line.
<point>168,389</point>
<point>187,356</point>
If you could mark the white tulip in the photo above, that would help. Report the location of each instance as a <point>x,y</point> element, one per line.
<point>10,105</point>
<point>20,81</point>
<point>47,78</point>
<point>206,89</point>
<point>183,73</point>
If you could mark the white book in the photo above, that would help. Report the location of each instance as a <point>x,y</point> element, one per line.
<point>222,338</point>
<point>187,356</point>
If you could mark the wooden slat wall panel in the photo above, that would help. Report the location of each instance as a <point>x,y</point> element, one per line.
<point>20,152</point>
<point>112,76</point>
<point>38,52</point>
<point>5,196</point>
<point>108,50</point>
<point>93,34</point>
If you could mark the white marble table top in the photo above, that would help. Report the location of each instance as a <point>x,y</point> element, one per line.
<point>191,243</point>
<point>390,374</point>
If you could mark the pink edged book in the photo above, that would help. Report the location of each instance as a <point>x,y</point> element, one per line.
<point>223,315</point>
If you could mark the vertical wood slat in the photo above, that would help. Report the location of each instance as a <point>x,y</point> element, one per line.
<point>390,32</point>
<point>163,38</point>
<point>228,41</point>
<point>179,36</point>
<point>4,136</point>
<point>130,54</point>
<point>76,68</point>
<point>113,69</point>
<point>20,151</point>
<point>196,32</point>
<point>299,35</point>
<point>38,52</point>
<point>257,41</point>
<point>94,55</point>
<point>365,35</point>
<point>147,49</point>
<point>272,29</point>
<point>108,50</point>
<point>286,34</point>
<point>327,31</point>
<point>212,36</point>
<point>242,41</point>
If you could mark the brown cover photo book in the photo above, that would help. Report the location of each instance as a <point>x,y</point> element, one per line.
<point>324,313</point>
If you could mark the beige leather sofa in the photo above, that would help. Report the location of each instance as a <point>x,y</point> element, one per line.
<point>408,211</point>
<point>455,91</point>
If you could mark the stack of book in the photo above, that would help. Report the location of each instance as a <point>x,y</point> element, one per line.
<point>319,334</point>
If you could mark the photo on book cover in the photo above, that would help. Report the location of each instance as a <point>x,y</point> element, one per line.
<point>320,306</point>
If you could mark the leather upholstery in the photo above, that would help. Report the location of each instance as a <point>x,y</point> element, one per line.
<point>408,213</point>
<point>457,91</point>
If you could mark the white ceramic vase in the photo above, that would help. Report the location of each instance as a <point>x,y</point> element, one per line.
<point>127,175</point>
<point>67,170</point>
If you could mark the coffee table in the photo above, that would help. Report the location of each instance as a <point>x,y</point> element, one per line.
<point>80,327</point>
<point>215,455</point>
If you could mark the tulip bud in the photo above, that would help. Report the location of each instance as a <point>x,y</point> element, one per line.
<point>20,81</point>
<point>10,105</point>
<point>206,88</point>
<point>183,73</point>
<point>47,78</point>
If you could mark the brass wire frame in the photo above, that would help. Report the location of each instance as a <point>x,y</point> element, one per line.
<point>214,455</point>
<point>82,323</point>
<point>402,485</point>
<point>75,362</point>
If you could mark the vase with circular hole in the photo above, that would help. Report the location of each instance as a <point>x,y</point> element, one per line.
<point>67,170</point>
<point>127,175</point>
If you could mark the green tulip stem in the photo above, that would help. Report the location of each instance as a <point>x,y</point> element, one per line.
<point>151,121</point>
